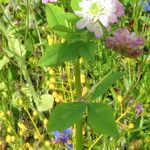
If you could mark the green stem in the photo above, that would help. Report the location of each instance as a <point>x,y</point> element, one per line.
<point>78,126</point>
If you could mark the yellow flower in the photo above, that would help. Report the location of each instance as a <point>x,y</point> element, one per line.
<point>27,145</point>
<point>21,132</point>
<point>13,138</point>
<point>84,91</point>
<point>54,94</point>
<point>60,97</point>
<point>51,71</point>
<point>82,78</point>
<point>1,114</point>
<point>32,60</point>
<point>22,126</point>
<point>8,138</point>
<point>36,136</point>
<point>45,121</point>
<point>50,40</point>
<point>52,80</point>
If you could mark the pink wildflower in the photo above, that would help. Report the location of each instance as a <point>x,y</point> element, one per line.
<point>95,13</point>
<point>125,42</point>
<point>48,1</point>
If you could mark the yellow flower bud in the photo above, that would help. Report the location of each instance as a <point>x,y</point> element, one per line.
<point>35,113</point>
<point>62,40</point>
<point>81,60</point>
<point>47,143</point>
<point>52,80</point>
<point>9,113</point>
<point>119,98</point>
<point>52,86</point>
<point>20,101</point>
<point>45,121</point>
<point>131,126</point>
<point>57,100</point>
<point>9,129</point>
<point>27,145</point>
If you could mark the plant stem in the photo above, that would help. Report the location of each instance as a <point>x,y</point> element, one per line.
<point>78,126</point>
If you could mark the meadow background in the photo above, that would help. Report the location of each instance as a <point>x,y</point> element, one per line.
<point>28,74</point>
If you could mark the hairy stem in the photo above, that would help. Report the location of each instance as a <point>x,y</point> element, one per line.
<point>78,126</point>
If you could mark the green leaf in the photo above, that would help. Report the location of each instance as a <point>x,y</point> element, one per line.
<point>46,103</point>
<point>105,84</point>
<point>54,17</point>
<point>54,13</point>
<point>56,55</point>
<point>59,53</point>
<point>62,28</point>
<point>100,118</point>
<point>65,115</point>
<point>70,17</point>
<point>75,4</point>
<point>3,62</point>
<point>4,1</point>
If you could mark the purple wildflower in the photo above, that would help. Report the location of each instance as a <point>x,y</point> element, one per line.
<point>64,137</point>
<point>48,1</point>
<point>126,43</point>
<point>146,5</point>
<point>138,109</point>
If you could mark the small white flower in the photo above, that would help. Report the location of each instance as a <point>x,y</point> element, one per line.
<point>95,13</point>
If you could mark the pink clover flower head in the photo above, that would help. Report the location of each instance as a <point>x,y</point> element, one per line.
<point>48,1</point>
<point>126,43</point>
<point>95,13</point>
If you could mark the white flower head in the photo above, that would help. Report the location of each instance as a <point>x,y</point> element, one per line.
<point>95,13</point>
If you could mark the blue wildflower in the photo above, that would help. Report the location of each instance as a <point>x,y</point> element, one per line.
<point>68,131</point>
<point>64,137</point>
<point>69,146</point>
<point>146,5</point>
